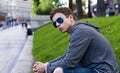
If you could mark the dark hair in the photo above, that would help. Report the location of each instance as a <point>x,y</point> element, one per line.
<point>66,11</point>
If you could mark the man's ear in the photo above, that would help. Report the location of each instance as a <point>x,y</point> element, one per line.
<point>70,16</point>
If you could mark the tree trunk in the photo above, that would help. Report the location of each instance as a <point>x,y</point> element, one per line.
<point>89,9</point>
<point>70,4</point>
<point>79,9</point>
<point>101,7</point>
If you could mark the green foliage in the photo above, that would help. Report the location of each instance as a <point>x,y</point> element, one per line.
<point>49,43</point>
<point>36,3</point>
<point>35,6</point>
<point>43,7</point>
<point>43,11</point>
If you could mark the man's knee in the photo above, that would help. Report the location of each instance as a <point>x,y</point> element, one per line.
<point>58,70</point>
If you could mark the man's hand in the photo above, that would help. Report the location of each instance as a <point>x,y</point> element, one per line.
<point>38,67</point>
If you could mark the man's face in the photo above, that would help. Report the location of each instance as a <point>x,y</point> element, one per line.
<point>61,22</point>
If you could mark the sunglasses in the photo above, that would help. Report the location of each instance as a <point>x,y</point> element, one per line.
<point>59,20</point>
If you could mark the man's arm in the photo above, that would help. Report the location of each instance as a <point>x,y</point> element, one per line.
<point>57,59</point>
<point>79,42</point>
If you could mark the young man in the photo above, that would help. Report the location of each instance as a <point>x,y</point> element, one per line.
<point>88,50</point>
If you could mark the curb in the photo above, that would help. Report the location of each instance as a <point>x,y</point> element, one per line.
<point>25,60</point>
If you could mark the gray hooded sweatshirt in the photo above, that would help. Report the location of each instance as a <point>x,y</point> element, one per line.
<point>87,49</point>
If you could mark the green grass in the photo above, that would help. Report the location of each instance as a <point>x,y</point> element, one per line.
<point>49,43</point>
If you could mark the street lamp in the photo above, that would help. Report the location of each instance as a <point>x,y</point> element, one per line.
<point>94,9</point>
<point>117,6</point>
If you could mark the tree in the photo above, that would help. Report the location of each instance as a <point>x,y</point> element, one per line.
<point>44,7</point>
<point>35,6</point>
<point>89,9</point>
<point>70,4</point>
<point>79,9</point>
<point>101,7</point>
<point>36,2</point>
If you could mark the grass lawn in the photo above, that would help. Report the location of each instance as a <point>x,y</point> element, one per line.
<point>49,43</point>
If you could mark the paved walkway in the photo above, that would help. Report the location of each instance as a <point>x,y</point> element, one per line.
<point>15,50</point>
<point>25,61</point>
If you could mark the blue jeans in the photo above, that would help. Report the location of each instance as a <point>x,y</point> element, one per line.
<point>79,70</point>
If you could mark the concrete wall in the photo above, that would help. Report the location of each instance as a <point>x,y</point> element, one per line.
<point>38,21</point>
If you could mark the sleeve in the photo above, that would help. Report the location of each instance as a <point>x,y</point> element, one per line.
<point>79,42</point>
<point>56,59</point>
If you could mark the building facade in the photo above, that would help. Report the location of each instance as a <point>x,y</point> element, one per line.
<point>15,8</point>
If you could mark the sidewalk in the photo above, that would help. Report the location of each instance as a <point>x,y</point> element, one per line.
<point>25,60</point>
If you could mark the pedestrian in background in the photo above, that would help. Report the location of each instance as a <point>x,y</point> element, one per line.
<point>29,29</point>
